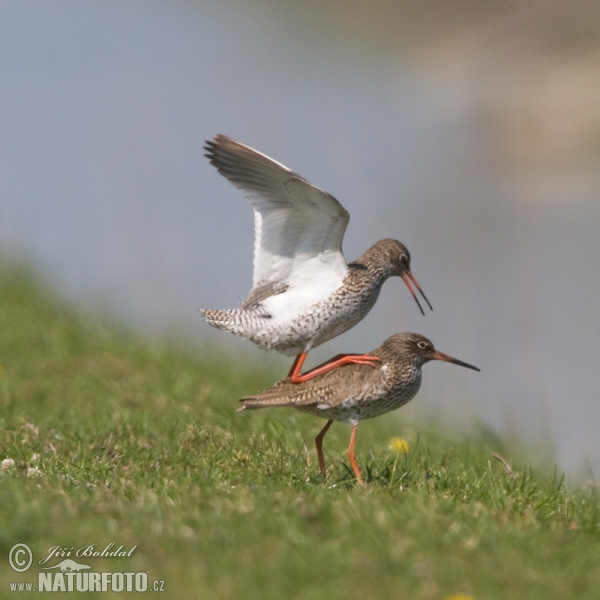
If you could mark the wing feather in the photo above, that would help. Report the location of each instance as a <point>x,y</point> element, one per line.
<point>330,388</point>
<point>298,227</point>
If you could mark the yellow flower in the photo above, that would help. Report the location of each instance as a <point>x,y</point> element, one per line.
<point>398,445</point>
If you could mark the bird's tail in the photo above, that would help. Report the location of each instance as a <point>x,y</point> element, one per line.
<point>261,402</point>
<point>228,319</point>
<point>283,393</point>
<point>248,403</point>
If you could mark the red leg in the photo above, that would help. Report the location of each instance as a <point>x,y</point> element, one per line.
<point>319,444</point>
<point>352,457</point>
<point>334,363</point>
<point>297,366</point>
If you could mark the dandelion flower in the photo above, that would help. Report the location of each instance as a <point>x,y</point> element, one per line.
<point>398,445</point>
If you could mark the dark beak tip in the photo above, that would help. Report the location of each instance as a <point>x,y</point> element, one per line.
<point>456,361</point>
<point>408,277</point>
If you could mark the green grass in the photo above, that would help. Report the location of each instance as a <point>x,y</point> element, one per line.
<point>119,439</point>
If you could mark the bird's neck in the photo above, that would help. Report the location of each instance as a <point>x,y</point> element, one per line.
<point>373,264</point>
<point>403,368</point>
<point>409,378</point>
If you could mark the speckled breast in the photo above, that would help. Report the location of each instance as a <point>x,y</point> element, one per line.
<point>392,393</point>
<point>319,322</point>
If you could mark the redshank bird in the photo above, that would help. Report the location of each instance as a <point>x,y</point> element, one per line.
<point>303,291</point>
<point>353,392</point>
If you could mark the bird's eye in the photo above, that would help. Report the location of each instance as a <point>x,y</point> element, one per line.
<point>404,258</point>
<point>422,345</point>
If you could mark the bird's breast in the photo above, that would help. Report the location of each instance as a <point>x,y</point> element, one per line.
<point>384,391</point>
<point>305,316</point>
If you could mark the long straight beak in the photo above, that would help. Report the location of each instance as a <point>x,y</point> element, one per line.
<point>408,277</point>
<point>441,356</point>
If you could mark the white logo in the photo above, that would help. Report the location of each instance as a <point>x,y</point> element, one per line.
<point>68,566</point>
<point>20,557</point>
<point>71,576</point>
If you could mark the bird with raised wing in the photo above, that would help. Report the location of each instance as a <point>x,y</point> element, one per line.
<point>353,392</point>
<point>303,291</point>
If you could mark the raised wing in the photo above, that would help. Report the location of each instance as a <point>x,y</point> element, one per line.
<point>298,227</point>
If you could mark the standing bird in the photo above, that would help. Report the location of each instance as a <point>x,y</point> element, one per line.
<point>303,291</point>
<point>354,392</point>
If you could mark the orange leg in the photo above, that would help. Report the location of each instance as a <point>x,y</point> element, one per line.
<point>336,361</point>
<point>297,366</point>
<point>352,457</point>
<point>319,444</point>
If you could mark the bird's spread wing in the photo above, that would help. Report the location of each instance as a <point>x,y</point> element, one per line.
<point>298,227</point>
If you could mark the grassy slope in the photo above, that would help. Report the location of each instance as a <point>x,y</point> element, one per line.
<point>117,439</point>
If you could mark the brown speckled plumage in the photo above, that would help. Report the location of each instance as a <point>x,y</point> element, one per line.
<point>304,293</point>
<point>326,319</point>
<point>354,392</point>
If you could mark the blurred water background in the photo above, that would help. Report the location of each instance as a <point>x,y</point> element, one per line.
<point>469,130</point>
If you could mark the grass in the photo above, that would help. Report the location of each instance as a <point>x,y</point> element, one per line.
<point>119,439</point>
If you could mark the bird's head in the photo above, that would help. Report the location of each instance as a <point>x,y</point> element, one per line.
<point>418,349</point>
<point>398,257</point>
